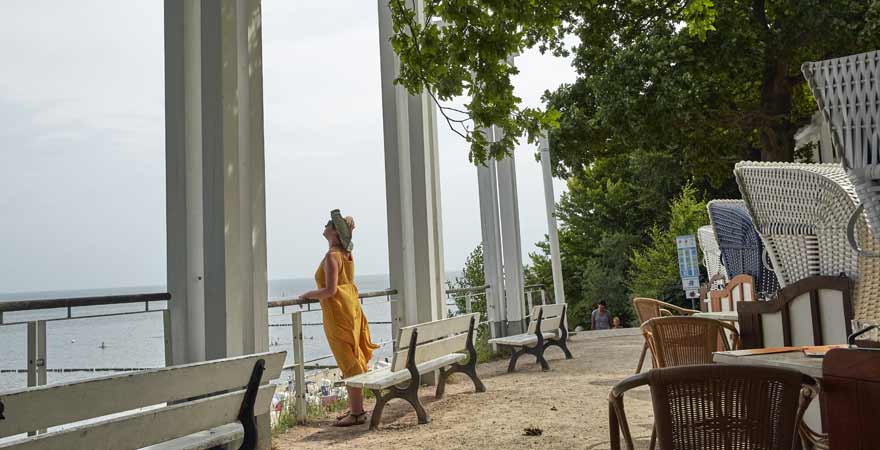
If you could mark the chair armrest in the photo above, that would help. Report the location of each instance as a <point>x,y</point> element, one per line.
<point>665,312</point>
<point>670,307</point>
<point>617,415</point>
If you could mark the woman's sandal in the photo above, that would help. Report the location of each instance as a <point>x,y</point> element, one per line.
<point>358,419</point>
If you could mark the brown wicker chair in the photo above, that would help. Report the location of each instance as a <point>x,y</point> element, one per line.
<point>682,341</point>
<point>649,308</point>
<point>718,407</point>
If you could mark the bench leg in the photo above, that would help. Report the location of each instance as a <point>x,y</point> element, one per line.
<point>410,394</point>
<point>511,366</point>
<point>468,369</point>
<point>562,345</point>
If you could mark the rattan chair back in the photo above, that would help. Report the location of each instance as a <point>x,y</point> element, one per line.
<point>683,341</point>
<point>718,407</point>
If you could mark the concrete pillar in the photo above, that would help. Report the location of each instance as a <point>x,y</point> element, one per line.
<point>552,232</point>
<point>490,221</point>
<point>511,242</point>
<point>215,181</point>
<point>412,182</point>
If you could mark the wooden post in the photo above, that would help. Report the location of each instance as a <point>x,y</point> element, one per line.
<point>166,321</point>
<point>299,371</point>
<point>36,353</point>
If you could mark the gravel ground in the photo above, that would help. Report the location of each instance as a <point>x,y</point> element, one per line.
<point>568,403</point>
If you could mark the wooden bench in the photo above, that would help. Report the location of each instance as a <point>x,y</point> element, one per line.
<point>193,406</point>
<point>423,348</point>
<point>813,311</point>
<point>547,328</point>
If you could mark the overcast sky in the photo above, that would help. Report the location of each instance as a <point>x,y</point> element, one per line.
<point>82,143</point>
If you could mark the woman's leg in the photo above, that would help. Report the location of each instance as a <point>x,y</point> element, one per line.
<point>356,400</point>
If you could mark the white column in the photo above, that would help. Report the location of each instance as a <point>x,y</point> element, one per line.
<point>490,221</point>
<point>215,180</point>
<point>550,203</point>
<point>511,243</point>
<point>412,182</point>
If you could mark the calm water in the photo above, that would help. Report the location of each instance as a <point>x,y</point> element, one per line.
<point>137,340</point>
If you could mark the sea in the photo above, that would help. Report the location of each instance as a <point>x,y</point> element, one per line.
<point>136,341</point>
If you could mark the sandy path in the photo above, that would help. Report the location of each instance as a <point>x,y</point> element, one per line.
<point>569,403</point>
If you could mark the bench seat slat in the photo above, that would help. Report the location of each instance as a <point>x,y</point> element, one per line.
<point>385,378</point>
<point>521,339</point>
<point>436,329</point>
<point>86,399</point>
<point>149,427</point>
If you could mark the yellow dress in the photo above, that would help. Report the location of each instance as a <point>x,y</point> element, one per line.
<point>344,321</point>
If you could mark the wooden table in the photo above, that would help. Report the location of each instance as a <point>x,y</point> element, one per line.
<point>795,359</point>
<point>726,316</point>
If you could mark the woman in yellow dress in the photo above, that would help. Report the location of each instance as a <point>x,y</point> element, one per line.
<point>344,322</point>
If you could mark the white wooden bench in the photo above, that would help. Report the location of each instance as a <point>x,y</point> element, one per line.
<point>193,406</point>
<point>423,348</point>
<point>547,328</point>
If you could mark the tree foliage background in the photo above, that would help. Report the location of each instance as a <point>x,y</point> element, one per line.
<point>670,94</point>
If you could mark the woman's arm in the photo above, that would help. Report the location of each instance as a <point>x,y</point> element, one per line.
<point>331,280</point>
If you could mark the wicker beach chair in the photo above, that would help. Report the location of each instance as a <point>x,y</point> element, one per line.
<point>649,308</point>
<point>847,91</point>
<point>740,245</point>
<point>801,212</point>
<point>683,341</point>
<point>718,407</point>
<point>712,257</point>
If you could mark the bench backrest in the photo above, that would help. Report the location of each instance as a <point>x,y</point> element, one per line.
<point>552,318</point>
<point>740,288</point>
<point>219,386</point>
<point>813,311</point>
<point>433,339</point>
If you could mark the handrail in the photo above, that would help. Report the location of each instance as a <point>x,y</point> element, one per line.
<point>308,301</point>
<point>29,305</point>
<point>534,287</point>
<point>467,290</point>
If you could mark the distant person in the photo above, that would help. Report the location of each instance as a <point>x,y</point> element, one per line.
<point>345,325</point>
<point>601,319</point>
<point>615,323</point>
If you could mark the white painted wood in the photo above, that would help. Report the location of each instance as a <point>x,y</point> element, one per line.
<point>431,350</point>
<point>550,317</point>
<point>833,317</point>
<point>149,427</point>
<point>552,232</point>
<point>203,440</point>
<point>771,328</point>
<point>748,290</point>
<point>723,316</point>
<point>511,241</point>
<point>385,378</point>
<point>64,403</point>
<point>437,329</point>
<point>490,223</point>
<point>801,320</point>
<point>520,340</point>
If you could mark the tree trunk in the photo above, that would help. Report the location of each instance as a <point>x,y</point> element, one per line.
<point>777,133</point>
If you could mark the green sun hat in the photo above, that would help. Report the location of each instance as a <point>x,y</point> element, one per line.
<point>342,228</point>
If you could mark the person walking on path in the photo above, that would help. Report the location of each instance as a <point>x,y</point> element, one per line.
<point>601,318</point>
<point>345,325</point>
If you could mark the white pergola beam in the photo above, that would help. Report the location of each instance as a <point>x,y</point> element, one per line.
<point>490,224</point>
<point>412,183</point>
<point>511,242</point>
<point>552,232</point>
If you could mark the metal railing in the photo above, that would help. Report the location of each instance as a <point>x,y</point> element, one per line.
<point>36,327</point>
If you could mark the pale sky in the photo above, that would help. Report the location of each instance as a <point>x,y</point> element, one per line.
<point>82,143</point>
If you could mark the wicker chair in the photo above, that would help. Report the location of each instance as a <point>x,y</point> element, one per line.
<point>801,212</point>
<point>712,257</point>
<point>649,308</point>
<point>715,407</point>
<point>848,94</point>
<point>682,341</point>
<point>741,247</point>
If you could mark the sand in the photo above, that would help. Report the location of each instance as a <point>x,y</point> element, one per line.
<point>568,403</point>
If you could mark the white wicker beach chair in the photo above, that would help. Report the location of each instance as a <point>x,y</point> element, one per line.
<point>801,212</point>
<point>847,91</point>
<point>740,245</point>
<point>712,257</point>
